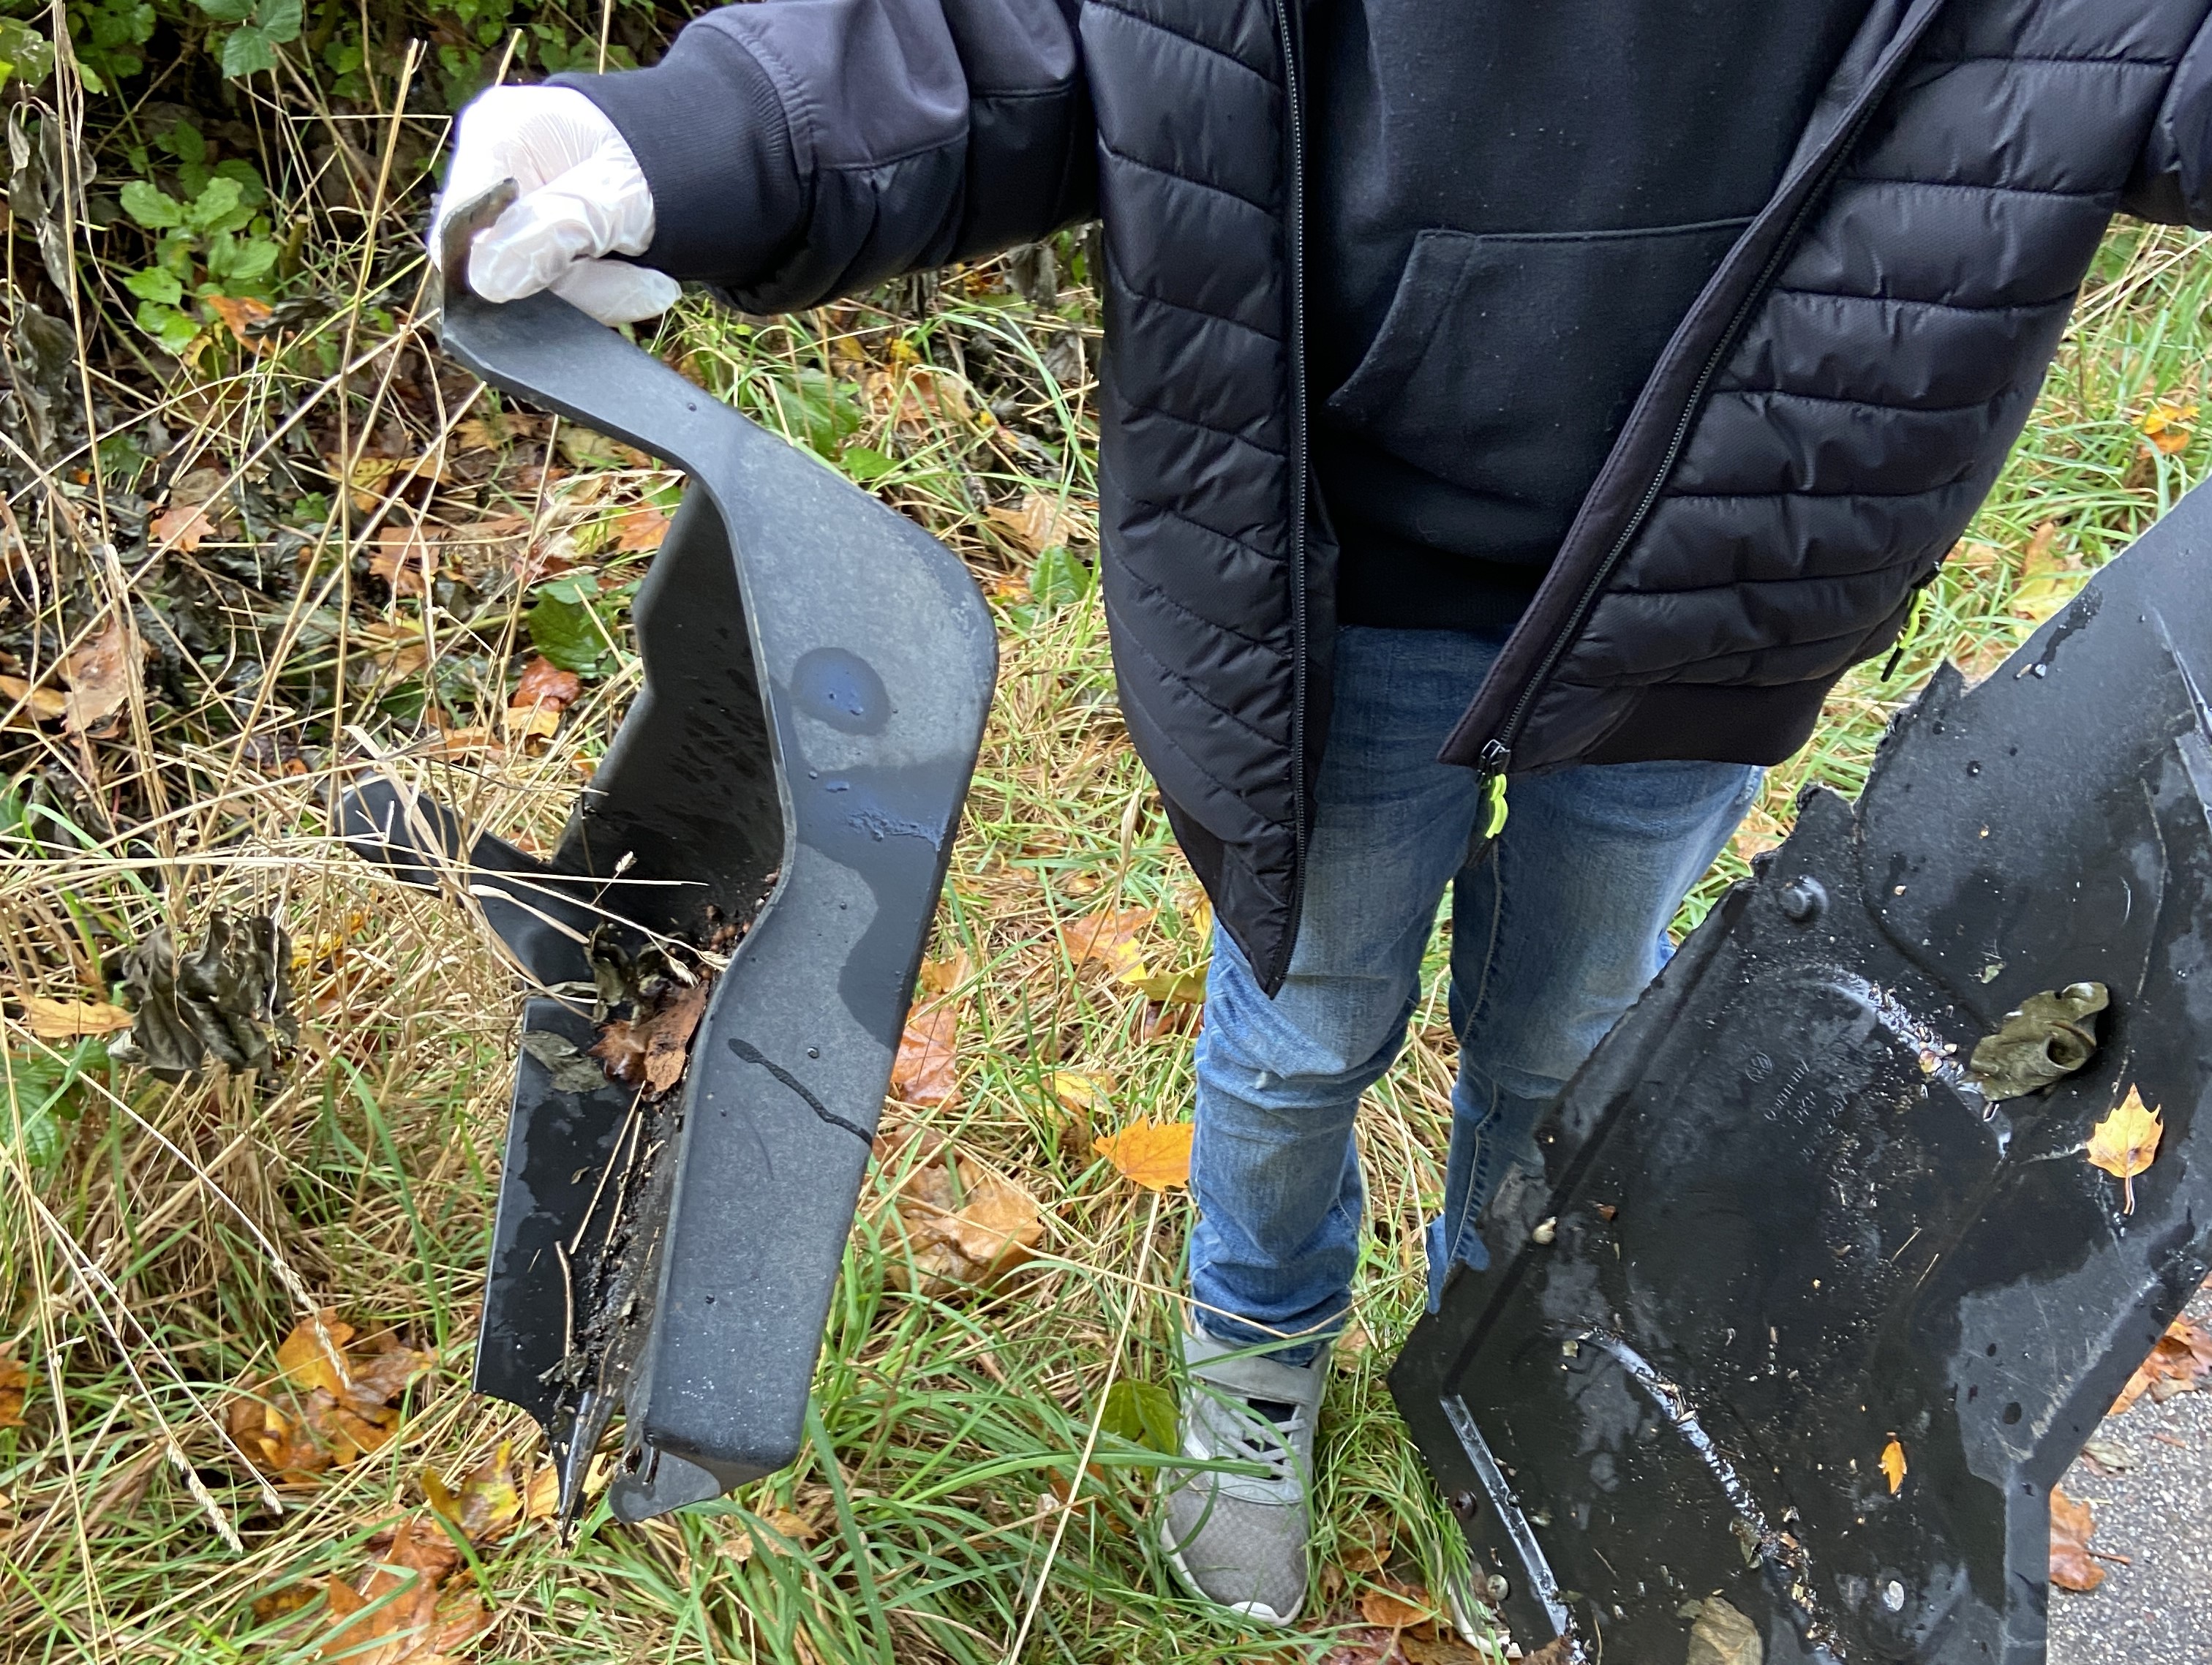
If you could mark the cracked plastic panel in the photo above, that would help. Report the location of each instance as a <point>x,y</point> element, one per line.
<point>1790,1226</point>
<point>817,674</point>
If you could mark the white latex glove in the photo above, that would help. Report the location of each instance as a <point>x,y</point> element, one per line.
<point>583,196</point>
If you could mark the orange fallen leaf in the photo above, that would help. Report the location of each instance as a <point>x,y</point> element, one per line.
<point>98,673</point>
<point>327,1404</point>
<point>2181,1363</point>
<point>183,526</point>
<point>963,1225</point>
<point>543,693</point>
<point>2073,1563</point>
<point>65,1020</point>
<point>397,1614</point>
<point>1892,1465</point>
<point>941,977</point>
<point>1395,1608</point>
<point>1109,939</point>
<point>922,1073</point>
<point>14,1381</point>
<point>2126,1142</point>
<point>406,558</point>
<point>2169,425</point>
<point>488,1499</point>
<point>239,314</point>
<point>640,529</point>
<point>43,704</point>
<point>1153,1154</point>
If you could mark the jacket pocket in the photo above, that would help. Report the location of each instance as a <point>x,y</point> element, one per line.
<point>1507,363</point>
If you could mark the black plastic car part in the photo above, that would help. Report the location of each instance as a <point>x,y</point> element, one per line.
<point>817,672</point>
<point>1801,1320</point>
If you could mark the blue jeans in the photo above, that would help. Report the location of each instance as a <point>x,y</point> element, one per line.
<point>1556,929</point>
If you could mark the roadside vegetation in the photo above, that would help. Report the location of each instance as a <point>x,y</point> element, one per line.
<point>254,532</point>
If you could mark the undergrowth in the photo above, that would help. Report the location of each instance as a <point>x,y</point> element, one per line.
<point>294,539</point>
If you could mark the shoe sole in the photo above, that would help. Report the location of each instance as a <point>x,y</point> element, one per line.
<point>1259,1612</point>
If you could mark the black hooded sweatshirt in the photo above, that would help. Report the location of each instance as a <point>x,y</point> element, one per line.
<point>1516,203</point>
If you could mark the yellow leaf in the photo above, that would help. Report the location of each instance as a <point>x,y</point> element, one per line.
<point>15,1380</point>
<point>45,703</point>
<point>1185,988</point>
<point>63,1020</point>
<point>1110,940</point>
<point>1153,1154</point>
<point>2168,426</point>
<point>2125,1142</point>
<point>311,1360</point>
<point>1077,1091</point>
<point>1892,1464</point>
<point>489,1499</point>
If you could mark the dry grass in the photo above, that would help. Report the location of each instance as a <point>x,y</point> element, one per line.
<point>159,1242</point>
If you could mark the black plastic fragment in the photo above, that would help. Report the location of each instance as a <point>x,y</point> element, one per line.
<point>1786,1230</point>
<point>817,673</point>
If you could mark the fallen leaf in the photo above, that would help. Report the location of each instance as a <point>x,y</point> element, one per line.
<point>98,674</point>
<point>1109,939</point>
<point>1184,988</point>
<point>64,1020</point>
<point>2108,1456</point>
<point>781,1523</point>
<point>1553,1652</point>
<point>640,529</point>
<point>2168,425</point>
<point>1153,1154</point>
<point>1396,1608</point>
<point>1892,1466</point>
<point>45,704</point>
<point>372,479</point>
<point>922,1073</point>
<point>941,977</point>
<point>649,1050</point>
<point>487,1500</point>
<point>1720,1635</point>
<point>182,526</point>
<point>1036,524</point>
<point>964,1225</point>
<point>397,1613</point>
<point>2047,580</point>
<point>328,1405</point>
<point>2073,1566</point>
<point>239,314</point>
<point>1078,1090</point>
<point>1441,1649</point>
<point>406,558</point>
<point>14,1381</point>
<point>2181,1363</point>
<point>2126,1142</point>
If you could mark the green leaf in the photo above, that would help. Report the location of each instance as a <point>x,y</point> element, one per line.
<point>248,50</point>
<point>25,54</point>
<point>216,203</point>
<point>566,632</point>
<point>1143,1413</point>
<point>1059,578</point>
<point>149,205</point>
<point>252,192</point>
<point>253,261</point>
<point>183,141</point>
<point>579,586</point>
<point>227,11</point>
<point>155,284</point>
<point>864,463</point>
<point>278,19</point>
<point>172,328</point>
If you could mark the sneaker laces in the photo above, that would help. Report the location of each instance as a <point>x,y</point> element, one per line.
<point>1266,1433</point>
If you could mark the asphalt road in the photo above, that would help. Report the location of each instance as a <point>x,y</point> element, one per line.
<point>2158,1610</point>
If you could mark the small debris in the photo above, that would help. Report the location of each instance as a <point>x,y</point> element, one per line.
<point>230,999</point>
<point>2047,1037</point>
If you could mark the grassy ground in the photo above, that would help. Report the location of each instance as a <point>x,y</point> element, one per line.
<point>157,1243</point>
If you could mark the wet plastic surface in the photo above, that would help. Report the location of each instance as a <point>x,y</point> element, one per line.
<point>1787,1228</point>
<point>817,671</point>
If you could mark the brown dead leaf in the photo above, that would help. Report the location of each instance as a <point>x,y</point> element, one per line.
<point>2126,1142</point>
<point>2073,1563</point>
<point>1441,1649</point>
<point>1109,939</point>
<point>183,526</point>
<point>1153,1154</point>
<point>487,1500</point>
<point>65,1020</point>
<point>941,977</point>
<point>372,479</point>
<point>98,673</point>
<point>406,558</point>
<point>2181,1363</point>
<point>14,1381</point>
<point>1720,1635</point>
<point>419,1622</point>
<point>328,1403</point>
<point>640,529</point>
<point>42,704</point>
<point>649,1050</point>
<point>781,1523</point>
<point>240,314</point>
<point>543,693</point>
<point>964,1226</point>
<point>1037,523</point>
<point>1394,1607</point>
<point>922,1073</point>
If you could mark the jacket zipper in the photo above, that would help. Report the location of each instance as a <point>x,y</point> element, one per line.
<point>1496,757</point>
<point>1295,184</point>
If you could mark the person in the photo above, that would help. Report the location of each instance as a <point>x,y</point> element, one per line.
<point>1513,420</point>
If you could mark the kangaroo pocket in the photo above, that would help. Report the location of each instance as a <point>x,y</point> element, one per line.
<point>1507,363</point>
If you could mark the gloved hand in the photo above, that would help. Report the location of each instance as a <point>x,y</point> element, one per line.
<point>583,195</point>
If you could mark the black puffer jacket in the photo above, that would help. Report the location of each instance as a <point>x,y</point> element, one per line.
<point>1824,422</point>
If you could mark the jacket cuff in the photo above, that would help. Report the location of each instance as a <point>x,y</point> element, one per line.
<point>710,132</point>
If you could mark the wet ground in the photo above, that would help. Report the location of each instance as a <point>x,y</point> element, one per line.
<point>2157,1610</point>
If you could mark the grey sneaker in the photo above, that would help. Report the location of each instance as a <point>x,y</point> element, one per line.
<point>1240,1540</point>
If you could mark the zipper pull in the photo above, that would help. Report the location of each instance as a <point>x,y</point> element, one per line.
<point>1910,633</point>
<point>1491,768</point>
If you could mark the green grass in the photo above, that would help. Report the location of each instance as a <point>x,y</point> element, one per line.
<point>149,1266</point>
